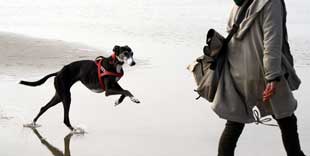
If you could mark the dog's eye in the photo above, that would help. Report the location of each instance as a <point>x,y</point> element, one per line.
<point>126,54</point>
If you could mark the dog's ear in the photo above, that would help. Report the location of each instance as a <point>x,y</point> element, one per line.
<point>116,49</point>
<point>127,48</point>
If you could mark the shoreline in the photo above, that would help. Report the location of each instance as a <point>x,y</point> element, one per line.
<point>21,53</point>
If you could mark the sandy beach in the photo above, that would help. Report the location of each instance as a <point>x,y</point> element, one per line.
<point>168,122</point>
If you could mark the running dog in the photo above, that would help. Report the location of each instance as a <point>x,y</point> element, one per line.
<point>101,75</point>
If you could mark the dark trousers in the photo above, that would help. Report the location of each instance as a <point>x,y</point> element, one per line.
<point>288,127</point>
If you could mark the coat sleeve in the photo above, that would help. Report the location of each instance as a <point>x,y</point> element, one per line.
<point>273,33</point>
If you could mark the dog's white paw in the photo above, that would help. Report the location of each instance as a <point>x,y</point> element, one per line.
<point>78,131</point>
<point>32,125</point>
<point>135,100</point>
<point>116,103</point>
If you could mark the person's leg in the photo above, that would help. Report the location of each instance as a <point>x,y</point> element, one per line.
<point>229,138</point>
<point>290,137</point>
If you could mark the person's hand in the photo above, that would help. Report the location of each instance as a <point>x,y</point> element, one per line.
<point>269,91</point>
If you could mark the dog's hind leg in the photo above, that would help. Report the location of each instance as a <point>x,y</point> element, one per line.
<point>63,83</point>
<point>66,100</point>
<point>54,101</point>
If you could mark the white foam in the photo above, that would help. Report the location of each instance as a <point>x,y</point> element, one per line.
<point>6,117</point>
<point>79,131</point>
<point>32,125</point>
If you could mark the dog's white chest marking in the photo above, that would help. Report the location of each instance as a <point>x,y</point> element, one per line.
<point>118,68</point>
<point>97,90</point>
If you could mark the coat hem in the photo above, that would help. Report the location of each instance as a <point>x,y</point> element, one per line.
<point>235,118</point>
<point>230,117</point>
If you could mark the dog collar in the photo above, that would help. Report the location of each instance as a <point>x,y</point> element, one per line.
<point>115,58</point>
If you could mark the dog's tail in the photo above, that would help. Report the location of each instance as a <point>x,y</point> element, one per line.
<point>39,82</point>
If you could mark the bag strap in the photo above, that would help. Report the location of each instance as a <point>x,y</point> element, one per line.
<point>240,18</point>
<point>234,29</point>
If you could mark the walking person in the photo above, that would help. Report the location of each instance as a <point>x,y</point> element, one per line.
<point>259,73</point>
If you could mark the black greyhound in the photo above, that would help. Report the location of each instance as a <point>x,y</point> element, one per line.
<point>99,76</point>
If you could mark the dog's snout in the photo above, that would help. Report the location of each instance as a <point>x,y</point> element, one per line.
<point>133,63</point>
<point>130,61</point>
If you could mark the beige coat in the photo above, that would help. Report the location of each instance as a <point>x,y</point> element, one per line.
<point>255,55</point>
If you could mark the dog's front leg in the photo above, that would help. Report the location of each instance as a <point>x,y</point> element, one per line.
<point>124,94</point>
<point>113,88</point>
<point>120,100</point>
<point>112,91</point>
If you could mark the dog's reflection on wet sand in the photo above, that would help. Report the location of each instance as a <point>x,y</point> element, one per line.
<point>54,150</point>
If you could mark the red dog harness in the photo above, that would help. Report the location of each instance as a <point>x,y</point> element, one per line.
<point>103,72</point>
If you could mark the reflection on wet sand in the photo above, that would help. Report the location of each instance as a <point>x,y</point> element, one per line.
<point>54,150</point>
